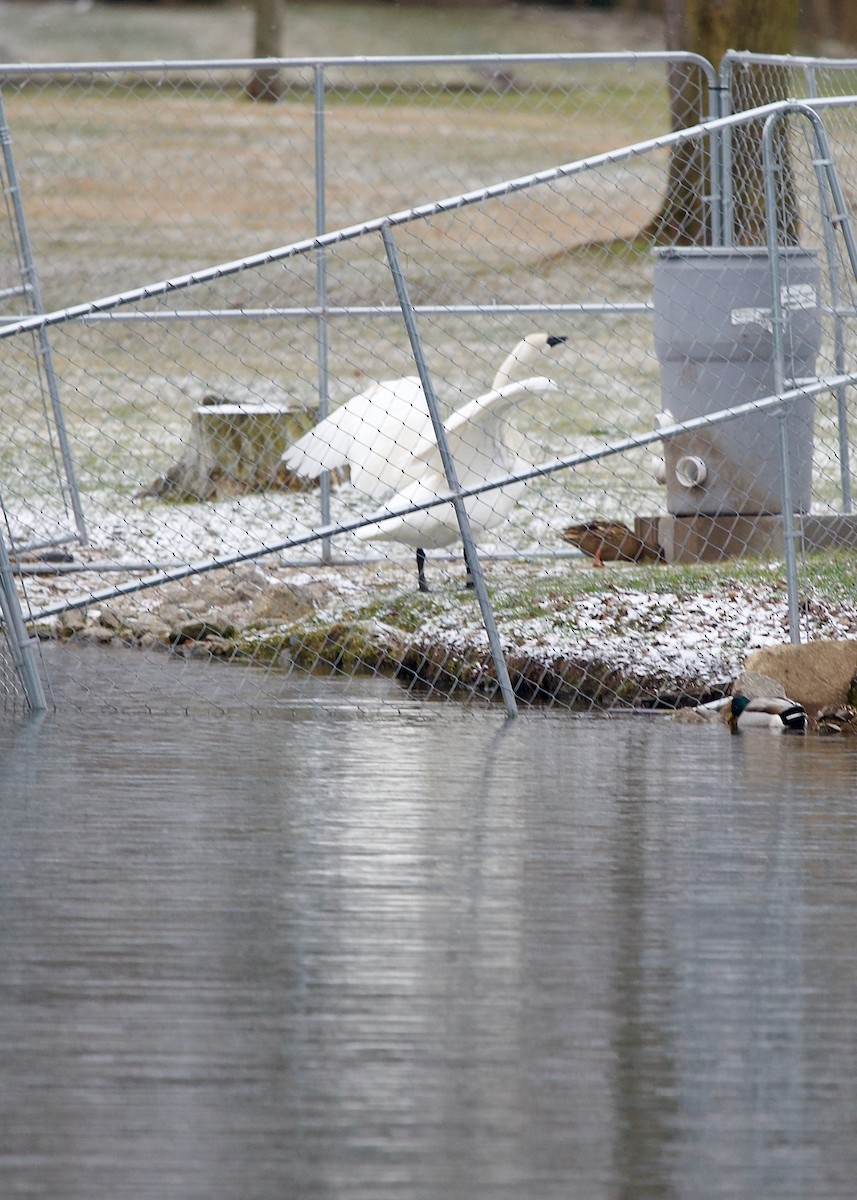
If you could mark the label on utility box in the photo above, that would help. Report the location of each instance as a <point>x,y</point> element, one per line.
<point>752,316</point>
<point>793,298</point>
<point>798,295</point>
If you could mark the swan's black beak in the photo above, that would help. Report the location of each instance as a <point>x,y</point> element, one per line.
<point>553,340</point>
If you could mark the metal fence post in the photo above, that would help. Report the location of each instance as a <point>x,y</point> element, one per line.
<point>470,552</point>
<point>21,644</point>
<point>724,165</point>
<point>836,220</point>
<point>321,289</point>
<point>790,534</point>
<point>40,336</point>
<point>718,107</point>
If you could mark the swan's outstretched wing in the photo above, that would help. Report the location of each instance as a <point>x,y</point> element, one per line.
<point>484,447</point>
<point>481,439</point>
<point>374,434</point>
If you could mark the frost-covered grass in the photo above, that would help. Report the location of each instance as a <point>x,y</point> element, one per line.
<point>572,635</point>
<point>651,636</point>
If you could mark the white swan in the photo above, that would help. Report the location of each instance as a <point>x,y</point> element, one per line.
<point>484,446</point>
<point>386,438</point>
<point>376,433</point>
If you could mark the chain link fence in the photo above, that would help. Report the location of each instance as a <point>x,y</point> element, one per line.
<point>151,491</point>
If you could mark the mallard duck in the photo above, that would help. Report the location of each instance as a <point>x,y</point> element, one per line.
<point>609,541</point>
<point>779,714</point>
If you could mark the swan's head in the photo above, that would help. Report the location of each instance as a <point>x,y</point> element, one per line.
<point>538,343</point>
<point>528,351</point>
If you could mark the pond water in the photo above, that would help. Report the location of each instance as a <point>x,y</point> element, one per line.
<point>343,949</point>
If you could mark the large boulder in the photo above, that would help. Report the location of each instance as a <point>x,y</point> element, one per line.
<point>816,674</point>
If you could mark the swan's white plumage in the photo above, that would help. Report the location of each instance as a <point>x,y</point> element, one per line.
<point>386,438</point>
<point>378,432</point>
<point>484,446</point>
<point>374,434</point>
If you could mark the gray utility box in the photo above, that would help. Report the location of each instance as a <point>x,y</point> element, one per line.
<point>712,328</point>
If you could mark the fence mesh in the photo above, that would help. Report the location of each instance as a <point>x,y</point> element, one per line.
<point>623,578</point>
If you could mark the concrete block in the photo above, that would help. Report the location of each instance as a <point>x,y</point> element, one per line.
<point>712,538</point>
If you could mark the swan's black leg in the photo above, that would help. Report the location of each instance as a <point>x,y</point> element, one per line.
<point>421,571</point>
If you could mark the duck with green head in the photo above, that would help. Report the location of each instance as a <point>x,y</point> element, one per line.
<point>776,713</point>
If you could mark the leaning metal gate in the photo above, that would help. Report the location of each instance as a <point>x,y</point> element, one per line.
<point>837,228</point>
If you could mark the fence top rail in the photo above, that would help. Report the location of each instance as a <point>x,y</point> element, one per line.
<point>792,60</point>
<point>10,70</point>
<point>733,59</point>
<point>509,187</point>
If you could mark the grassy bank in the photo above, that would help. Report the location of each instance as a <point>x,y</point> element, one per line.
<point>622,637</point>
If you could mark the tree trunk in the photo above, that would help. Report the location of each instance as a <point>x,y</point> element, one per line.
<point>826,21</point>
<point>767,27</point>
<point>681,221</point>
<point>266,83</point>
<point>753,86</point>
<point>710,28</point>
<point>844,23</point>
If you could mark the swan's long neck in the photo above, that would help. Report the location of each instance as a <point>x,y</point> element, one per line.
<point>522,355</point>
